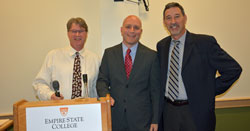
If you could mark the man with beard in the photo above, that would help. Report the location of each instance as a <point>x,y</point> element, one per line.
<point>189,63</point>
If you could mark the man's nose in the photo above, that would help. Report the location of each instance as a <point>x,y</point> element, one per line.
<point>173,20</point>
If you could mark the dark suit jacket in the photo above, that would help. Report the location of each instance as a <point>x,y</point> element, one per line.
<point>139,95</point>
<point>202,58</point>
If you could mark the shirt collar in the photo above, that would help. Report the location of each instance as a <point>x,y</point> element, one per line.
<point>133,48</point>
<point>182,38</point>
<point>72,51</point>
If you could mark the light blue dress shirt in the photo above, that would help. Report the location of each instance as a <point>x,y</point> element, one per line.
<point>132,53</point>
<point>182,92</point>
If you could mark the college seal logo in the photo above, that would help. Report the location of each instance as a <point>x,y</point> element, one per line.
<point>64,111</point>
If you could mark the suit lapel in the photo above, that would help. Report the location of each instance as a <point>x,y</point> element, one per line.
<point>137,62</point>
<point>187,49</point>
<point>120,61</point>
<point>166,54</point>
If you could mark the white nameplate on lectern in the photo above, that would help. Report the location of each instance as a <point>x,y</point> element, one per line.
<point>84,117</point>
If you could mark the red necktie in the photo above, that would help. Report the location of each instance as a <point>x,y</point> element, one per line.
<point>128,63</point>
<point>77,83</point>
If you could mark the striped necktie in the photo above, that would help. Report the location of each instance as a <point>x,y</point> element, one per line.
<point>173,85</point>
<point>77,81</point>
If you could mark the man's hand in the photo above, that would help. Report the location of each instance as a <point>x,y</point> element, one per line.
<point>54,97</point>
<point>112,102</point>
<point>154,127</point>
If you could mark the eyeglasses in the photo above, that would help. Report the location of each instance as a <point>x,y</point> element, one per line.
<point>77,31</point>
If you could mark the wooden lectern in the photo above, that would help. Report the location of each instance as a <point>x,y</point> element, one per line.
<point>19,110</point>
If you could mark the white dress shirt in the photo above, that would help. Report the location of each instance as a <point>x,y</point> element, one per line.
<point>58,65</point>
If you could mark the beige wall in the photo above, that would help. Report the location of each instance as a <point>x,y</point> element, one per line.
<point>30,28</point>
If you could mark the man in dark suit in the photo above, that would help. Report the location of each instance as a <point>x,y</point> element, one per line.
<point>135,92</point>
<point>189,63</point>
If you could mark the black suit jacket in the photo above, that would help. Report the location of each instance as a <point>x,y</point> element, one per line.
<point>139,95</point>
<point>202,58</point>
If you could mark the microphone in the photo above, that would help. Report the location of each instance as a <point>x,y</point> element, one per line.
<point>85,81</point>
<point>55,85</point>
<point>85,78</point>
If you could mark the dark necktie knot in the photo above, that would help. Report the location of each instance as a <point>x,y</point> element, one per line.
<point>176,42</point>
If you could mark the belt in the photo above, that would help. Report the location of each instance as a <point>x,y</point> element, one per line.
<point>177,102</point>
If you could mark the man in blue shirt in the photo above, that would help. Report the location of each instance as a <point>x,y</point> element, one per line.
<point>129,72</point>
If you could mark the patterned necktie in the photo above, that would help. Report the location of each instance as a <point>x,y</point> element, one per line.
<point>77,81</point>
<point>173,85</point>
<point>128,63</point>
